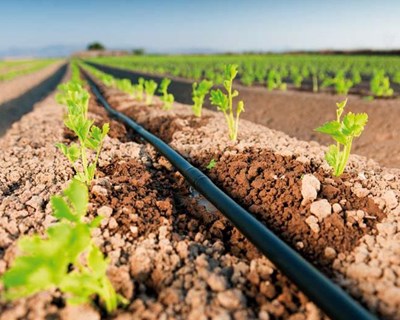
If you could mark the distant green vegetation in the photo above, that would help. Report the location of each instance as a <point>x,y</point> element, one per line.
<point>275,71</point>
<point>15,68</point>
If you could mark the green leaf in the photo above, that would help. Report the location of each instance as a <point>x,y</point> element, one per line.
<point>231,71</point>
<point>105,129</point>
<point>219,99</point>
<point>164,85</point>
<point>340,107</point>
<point>96,133</point>
<point>96,222</point>
<point>63,148</point>
<point>240,108</point>
<point>78,241</point>
<point>91,170</point>
<point>81,286</point>
<point>331,127</point>
<point>77,194</point>
<point>212,164</point>
<point>82,128</point>
<point>353,124</point>
<point>96,262</point>
<point>61,209</point>
<point>73,153</point>
<point>333,156</point>
<point>80,176</point>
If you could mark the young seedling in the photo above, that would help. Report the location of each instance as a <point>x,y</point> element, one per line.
<point>247,78</point>
<point>274,81</point>
<point>75,73</point>
<point>356,77</point>
<point>212,164</point>
<point>166,97</point>
<point>224,102</point>
<point>380,85</point>
<point>340,82</point>
<point>125,85</point>
<point>150,87</point>
<point>343,132</point>
<point>138,89</point>
<point>108,79</point>
<point>90,137</point>
<point>199,92</point>
<point>66,258</point>
<point>314,76</point>
<point>296,76</point>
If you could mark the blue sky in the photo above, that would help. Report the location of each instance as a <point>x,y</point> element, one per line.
<point>177,25</point>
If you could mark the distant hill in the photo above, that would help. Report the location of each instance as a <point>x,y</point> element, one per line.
<point>43,52</point>
<point>68,50</point>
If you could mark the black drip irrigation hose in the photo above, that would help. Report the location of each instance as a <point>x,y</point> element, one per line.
<point>333,300</point>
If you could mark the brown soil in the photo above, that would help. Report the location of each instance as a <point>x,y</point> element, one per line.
<point>299,113</point>
<point>169,256</point>
<point>264,171</point>
<point>171,253</point>
<point>147,196</point>
<point>269,185</point>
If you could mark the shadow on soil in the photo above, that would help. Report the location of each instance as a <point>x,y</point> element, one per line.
<point>11,111</point>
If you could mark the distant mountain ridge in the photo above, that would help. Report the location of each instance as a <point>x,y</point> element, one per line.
<point>68,50</point>
<point>42,52</point>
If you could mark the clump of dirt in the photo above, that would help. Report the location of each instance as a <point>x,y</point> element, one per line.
<point>137,190</point>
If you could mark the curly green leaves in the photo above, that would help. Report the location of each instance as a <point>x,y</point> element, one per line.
<point>343,132</point>
<point>90,137</point>
<point>167,98</point>
<point>66,258</point>
<point>150,87</point>
<point>199,92</point>
<point>224,102</point>
<point>220,100</point>
<point>380,85</point>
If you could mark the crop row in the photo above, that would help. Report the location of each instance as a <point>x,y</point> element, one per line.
<point>67,258</point>
<point>12,69</point>
<point>342,73</point>
<point>342,131</point>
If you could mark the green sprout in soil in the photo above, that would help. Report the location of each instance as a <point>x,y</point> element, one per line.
<point>211,164</point>
<point>274,81</point>
<point>90,137</point>
<point>125,85</point>
<point>340,82</point>
<point>199,92</point>
<point>150,87</point>
<point>166,97</point>
<point>224,102</point>
<point>138,89</point>
<point>380,85</point>
<point>66,258</point>
<point>343,132</point>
